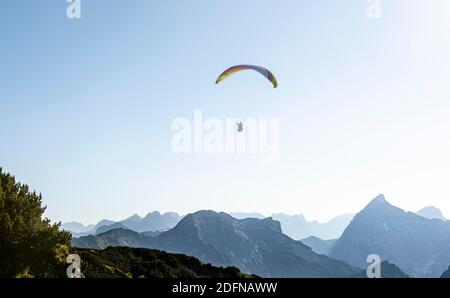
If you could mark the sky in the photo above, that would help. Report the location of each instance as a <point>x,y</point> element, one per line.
<point>86,105</point>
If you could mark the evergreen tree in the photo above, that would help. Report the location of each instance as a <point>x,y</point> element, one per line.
<point>29,244</point>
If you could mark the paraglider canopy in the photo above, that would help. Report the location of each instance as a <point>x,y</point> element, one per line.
<point>263,71</point>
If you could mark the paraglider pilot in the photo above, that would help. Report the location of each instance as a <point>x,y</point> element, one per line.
<point>240,126</point>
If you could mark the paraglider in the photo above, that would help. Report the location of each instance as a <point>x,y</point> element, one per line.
<point>263,71</point>
<point>240,126</point>
<point>238,68</point>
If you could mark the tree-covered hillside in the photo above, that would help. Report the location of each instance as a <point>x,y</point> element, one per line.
<point>30,246</point>
<point>126,262</point>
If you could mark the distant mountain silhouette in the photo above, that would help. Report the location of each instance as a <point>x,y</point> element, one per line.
<point>419,246</point>
<point>255,246</point>
<point>322,247</point>
<point>114,226</point>
<point>76,227</point>
<point>164,221</point>
<point>153,221</point>
<point>431,212</point>
<point>104,222</point>
<point>244,215</point>
<point>152,233</point>
<point>297,227</point>
<point>118,237</point>
<point>132,221</point>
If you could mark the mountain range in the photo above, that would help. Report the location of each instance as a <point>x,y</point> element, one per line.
<point>418,245</point>
<point>431,212</point>
<point>298,227</point>
<point>152,222</point>
<point>295,226</point>
<point>255,246</point>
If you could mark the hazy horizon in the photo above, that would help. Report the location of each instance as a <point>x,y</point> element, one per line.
<point>308,218</point>
<point>363,104</point>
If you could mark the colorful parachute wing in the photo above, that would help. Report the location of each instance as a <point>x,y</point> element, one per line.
<point>263,71</point>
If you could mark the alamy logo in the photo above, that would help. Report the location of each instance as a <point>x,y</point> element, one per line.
<point>374,267</point>
<point>73,9</point>
<point>374,9</point>
<point>254,136</point>
<point>74,270</point>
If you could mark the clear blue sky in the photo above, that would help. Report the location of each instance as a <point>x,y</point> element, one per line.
<point>364,105</point>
